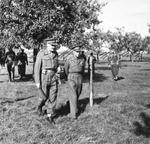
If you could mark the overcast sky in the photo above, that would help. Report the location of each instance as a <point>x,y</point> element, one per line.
<point>133,15</point>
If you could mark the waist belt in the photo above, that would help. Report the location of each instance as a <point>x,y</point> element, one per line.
<point>75,72</point>
<point>44,71</point>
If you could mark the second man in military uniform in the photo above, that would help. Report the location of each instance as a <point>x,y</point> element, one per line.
<point>74,69</point>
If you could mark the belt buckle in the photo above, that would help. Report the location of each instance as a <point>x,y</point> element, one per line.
<point>44,71</point>
<point>48,71</point>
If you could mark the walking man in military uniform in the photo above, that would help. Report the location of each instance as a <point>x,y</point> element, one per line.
<point>114,62</point>
<point>22,62</point>
<point>10,61</point>
<point>45,78</point>
<point>74,69</point>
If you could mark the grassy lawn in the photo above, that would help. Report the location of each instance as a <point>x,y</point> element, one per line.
<point>120,115</point>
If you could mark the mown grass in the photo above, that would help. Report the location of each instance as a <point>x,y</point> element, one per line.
<point>120,114</point>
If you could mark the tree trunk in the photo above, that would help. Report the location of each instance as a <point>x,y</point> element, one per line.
<point>130,57</point>
<point>97,57</point>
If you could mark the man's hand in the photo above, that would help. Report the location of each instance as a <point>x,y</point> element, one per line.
<point>58,70</point>
<point>38,85</point>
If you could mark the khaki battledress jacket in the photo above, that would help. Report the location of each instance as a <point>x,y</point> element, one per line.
<point>45,61</point>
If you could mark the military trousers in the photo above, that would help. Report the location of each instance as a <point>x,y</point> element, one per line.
<point>22,69</point>
<point>75,85</point>
<point>115,70</point>
<point>11,70</point>
<point>49,86</point>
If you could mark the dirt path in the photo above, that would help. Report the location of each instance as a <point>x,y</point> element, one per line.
<point>120,115</point>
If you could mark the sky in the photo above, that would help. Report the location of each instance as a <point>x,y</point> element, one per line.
<point>132,15</point>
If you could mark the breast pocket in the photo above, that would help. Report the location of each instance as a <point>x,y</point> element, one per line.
<point>47,62</point>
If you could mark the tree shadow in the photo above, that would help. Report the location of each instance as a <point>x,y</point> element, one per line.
<point>145,69</point>
<point>142,129</point>
<point>82,104</point>
<point>4,74</point>
<point>146,59</point>
<point>148,105</point>
<point>96,78</point>
<point>125,60</point>
<point>26,78</point>
<point>124,65</point>
<point>102,68</point>
<point>120,78</point>
<point>99,77</point>
<point>102,62</point>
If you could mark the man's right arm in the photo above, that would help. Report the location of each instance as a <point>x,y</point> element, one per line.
<point>37,69</point>
<point>66,68</point>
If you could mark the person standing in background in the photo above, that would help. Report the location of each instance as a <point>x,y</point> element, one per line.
<point>10,62</point>
<point>115,63</point>
<point>22,60</point>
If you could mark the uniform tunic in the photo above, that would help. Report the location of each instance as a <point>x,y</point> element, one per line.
<point>45,69</point>
<point>74,68</point>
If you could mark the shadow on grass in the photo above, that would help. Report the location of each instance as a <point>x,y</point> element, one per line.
<point>143,129</point>
<point>145,70</point>
<point>120,78</point>
<point>102,62</point>
<point>102,68</point>
<point>97,78</point>
<point>4,74</point>
<point>26,78</point>
<point>82,104</point>
<point>124,65</point>
<point>148,105</point>
<point>146,59</point>
<point>133,64</point>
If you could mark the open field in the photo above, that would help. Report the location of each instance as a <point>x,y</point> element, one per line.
<point>120,115</point>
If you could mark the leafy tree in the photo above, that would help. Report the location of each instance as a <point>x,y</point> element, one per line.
<point>146,44</point>
<point>98,39</point>
<point>29,21</point>
<point>133,43</point>
<point>116,40</point>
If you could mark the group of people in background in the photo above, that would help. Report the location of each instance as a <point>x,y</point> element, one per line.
<point>11,59</point>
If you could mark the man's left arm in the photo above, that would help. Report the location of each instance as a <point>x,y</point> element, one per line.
<point>66,68</point>
<point>26,58</point>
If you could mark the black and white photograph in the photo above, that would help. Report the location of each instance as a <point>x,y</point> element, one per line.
<point>74,72</point>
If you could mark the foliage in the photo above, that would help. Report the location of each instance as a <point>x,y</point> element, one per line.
<point>98,39</point>
<point>133,42</point>
<point>130,41</point>
<point>146,43</point>
<point>29,21</point>
<point>116,40</point>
